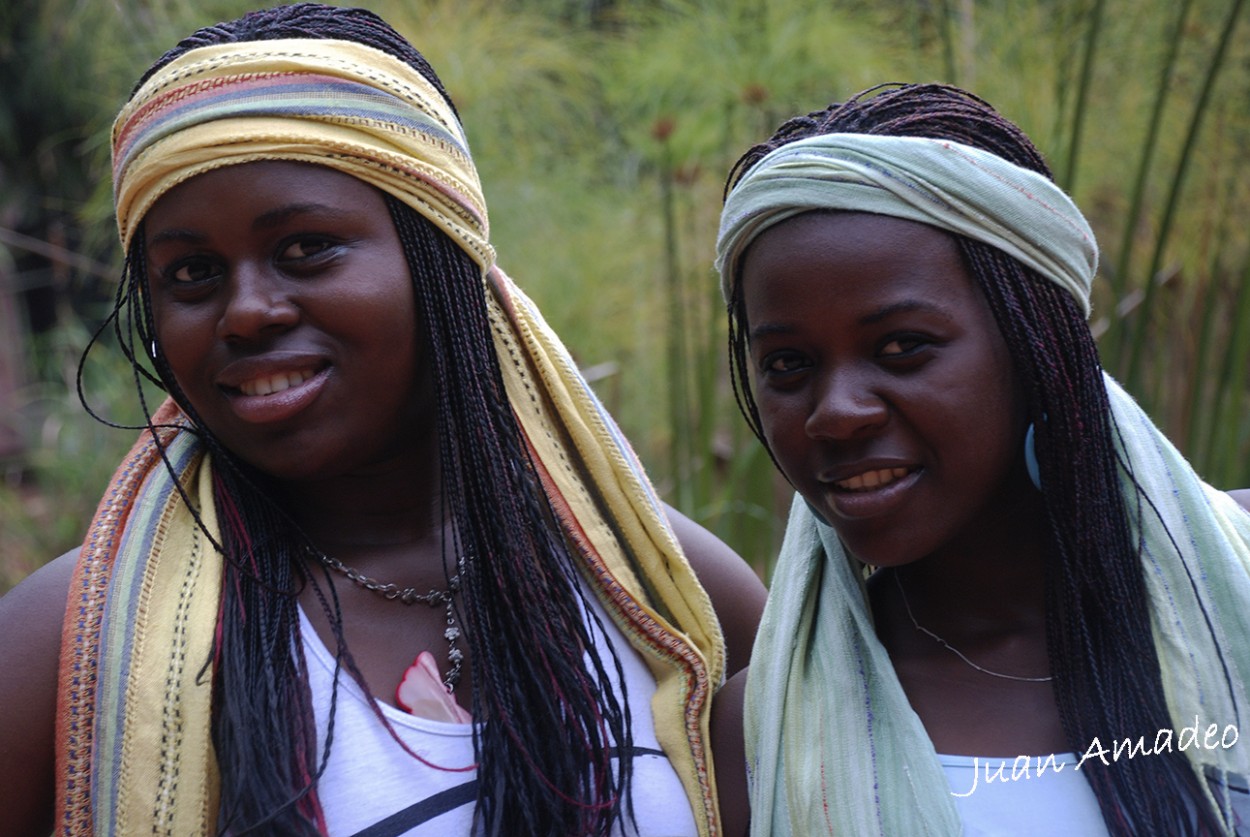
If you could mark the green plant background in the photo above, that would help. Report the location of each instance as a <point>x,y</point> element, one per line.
<point>603,130</point>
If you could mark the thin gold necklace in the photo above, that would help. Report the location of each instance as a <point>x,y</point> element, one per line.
<point>907,605</point>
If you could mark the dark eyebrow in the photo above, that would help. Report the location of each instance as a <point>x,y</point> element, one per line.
<point>175,234</point>
<point>768,330</point>
<point>275,217</point>
<point>903,306</point>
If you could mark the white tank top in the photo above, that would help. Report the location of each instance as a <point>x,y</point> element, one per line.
<point>372,788</point>
<point>1046,797</point>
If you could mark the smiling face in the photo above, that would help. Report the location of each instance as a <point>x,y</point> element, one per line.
<point>884,387</point>
<point>283,304</point>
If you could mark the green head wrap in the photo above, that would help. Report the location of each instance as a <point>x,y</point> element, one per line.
<point>948,185</point>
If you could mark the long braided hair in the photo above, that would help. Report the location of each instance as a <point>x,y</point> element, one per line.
<point>523,612</point>
<point>1107,679</point>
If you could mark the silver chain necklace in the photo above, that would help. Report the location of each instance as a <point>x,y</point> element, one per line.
<point>956,651</point>
<point>409,596</point>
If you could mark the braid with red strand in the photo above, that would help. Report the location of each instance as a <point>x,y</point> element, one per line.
<point>524,618</point>
<point>539,660</point>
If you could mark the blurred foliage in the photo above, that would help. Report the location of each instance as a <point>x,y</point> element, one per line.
<point>603,130</point>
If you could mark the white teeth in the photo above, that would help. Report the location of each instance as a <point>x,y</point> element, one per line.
<point>274,383</point>
<point>872,479</point>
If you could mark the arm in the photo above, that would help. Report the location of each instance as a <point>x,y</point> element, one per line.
<point>30,623</point>
<point>1242,496</point>
<point>736,592</point>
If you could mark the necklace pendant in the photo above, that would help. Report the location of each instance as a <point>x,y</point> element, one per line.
<point>423,694</point>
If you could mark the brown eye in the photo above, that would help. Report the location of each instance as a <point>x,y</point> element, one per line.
<point>903,345</point>
<point>304,248</point>
<point>781,363</point>
<point>191,272</point>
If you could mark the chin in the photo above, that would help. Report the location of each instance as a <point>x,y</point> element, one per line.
<point>291,465</point>
<point>885,550</point>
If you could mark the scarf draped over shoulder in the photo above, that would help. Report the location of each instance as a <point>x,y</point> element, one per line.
<point>134,746</point>
<point>832,743</point>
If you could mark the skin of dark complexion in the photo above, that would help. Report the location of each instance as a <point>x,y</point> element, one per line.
<point>885,389</point>
<point>283,303</point>
<point>888,397</point>
<point>288,321</point>
<point>289,324</point>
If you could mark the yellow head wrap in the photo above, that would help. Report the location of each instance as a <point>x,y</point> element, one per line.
<point>334,103</point>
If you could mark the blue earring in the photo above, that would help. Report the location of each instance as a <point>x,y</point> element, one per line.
<point>1030,459</point>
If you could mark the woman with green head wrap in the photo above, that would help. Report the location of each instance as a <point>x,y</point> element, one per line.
<point>1005,603</point>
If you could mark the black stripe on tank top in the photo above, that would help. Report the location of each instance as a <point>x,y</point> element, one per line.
<point>426,809</point>
<point>448,800</point>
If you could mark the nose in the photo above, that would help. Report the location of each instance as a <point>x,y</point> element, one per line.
<point>846,405</point>
<point>258,304</point>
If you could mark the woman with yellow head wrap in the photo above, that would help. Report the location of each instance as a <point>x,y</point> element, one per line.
<point>373,447</point>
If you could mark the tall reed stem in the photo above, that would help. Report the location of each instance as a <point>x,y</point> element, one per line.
<point>1067,178</point>
<point>1120,272</point>
<point>1141,330</point>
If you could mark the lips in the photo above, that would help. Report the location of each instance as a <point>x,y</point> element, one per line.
<point>868,490</point>
<point>273,388</point>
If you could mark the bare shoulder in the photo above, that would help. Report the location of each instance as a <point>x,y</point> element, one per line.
<point>34,610</point>
<point>31,615</point>
<point>1242,496</point>
<point>736,591</point>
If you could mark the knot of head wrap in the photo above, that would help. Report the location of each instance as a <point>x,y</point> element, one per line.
<point>945,184</point>
<point>333,103</point>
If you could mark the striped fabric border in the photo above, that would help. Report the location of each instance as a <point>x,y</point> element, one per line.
<point>128,588</point>
<point>656,602</point>
<point>81,637</point>
<point>334,103</point>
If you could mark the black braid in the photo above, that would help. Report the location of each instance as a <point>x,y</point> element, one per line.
<point>523,619</point>
<point>1107,678</point>
<point>524,615</point>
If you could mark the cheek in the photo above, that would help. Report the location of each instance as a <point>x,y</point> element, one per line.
<point>991,409</point>
<point>182,341</point>
<point>381,294</point>
<point>783,422</point>
<point>394,328</point>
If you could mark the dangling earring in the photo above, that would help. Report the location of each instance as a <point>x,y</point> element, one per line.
<point>1030,458</point>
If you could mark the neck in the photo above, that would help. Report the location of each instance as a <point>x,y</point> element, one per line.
<point>397,505</point>
<point>996,574</point>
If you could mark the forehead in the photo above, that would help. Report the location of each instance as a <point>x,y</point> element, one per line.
<point>246,190</point>
<point>834,263</point>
